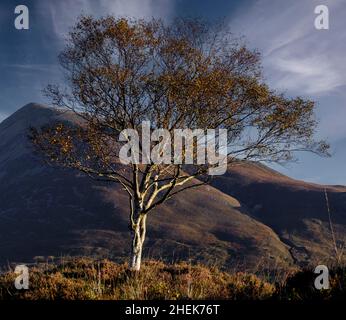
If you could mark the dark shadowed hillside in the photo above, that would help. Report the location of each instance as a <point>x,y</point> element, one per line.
<point>295,210</point>
<point>47,211</point>
<point>250,216</point>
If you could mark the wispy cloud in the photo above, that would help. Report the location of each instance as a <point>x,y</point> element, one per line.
<point>311,75</point>
<point>300,60</point>
<point>63,14</point>
<point>48,68</point>
<point>296,56</point>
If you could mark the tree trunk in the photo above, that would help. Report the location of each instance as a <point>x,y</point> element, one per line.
<point>138,237</point>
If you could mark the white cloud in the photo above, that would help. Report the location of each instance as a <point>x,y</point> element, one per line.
<point>311,75</point>
<point>139,8</point>
<point>296,56</point>
<point>300,60</point>
<point>47,68</point>
<point>63,13</point>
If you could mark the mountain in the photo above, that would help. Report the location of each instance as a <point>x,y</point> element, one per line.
<point>49,211</point>
<point>251,217</point>
<point>296,210</point>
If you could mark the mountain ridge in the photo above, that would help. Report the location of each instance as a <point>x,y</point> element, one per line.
<point>50,211</point>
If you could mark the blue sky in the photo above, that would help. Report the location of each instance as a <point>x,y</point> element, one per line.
<point>297,58</point>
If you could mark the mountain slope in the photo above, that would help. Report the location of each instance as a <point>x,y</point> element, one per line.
<point>295,210</point>
<point>49,211</point>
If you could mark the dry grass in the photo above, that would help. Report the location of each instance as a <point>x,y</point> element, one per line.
<point>85,279</point>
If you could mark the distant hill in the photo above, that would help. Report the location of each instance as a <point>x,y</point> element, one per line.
<point>250,217</point>
<point>295,210</point>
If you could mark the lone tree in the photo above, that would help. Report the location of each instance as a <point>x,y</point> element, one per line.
<point>186,75</point>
